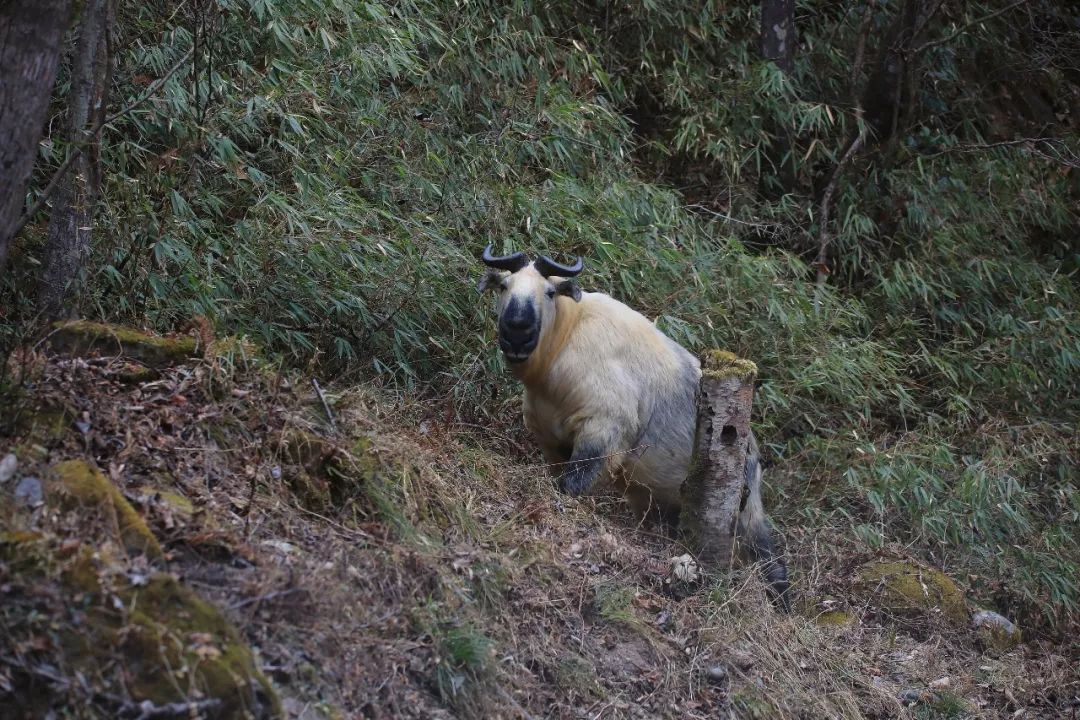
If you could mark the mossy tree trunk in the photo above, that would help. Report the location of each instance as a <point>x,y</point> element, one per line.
<point>31,32</point>
<point>713,491</point>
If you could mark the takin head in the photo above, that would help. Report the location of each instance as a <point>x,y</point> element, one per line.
<point>527,292</point>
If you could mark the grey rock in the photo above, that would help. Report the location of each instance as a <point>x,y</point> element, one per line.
<point>8,466</point>
<point>989,618</point>
<point>910,696</point>
<point>29,491</point>
<point>996,632</point>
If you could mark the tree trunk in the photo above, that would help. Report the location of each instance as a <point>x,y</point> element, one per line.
<point>72,214</point>
<point>778,46</point>
<point>713,492</point>
<point>891,87</point>
<point>31,33</point>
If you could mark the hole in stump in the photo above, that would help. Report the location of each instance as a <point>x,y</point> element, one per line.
<point>729,435</point>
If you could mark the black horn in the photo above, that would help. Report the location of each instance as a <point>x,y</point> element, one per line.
<point>511,263</point>
<point>548,267</point>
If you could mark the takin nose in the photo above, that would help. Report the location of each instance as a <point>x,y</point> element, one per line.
<point>518,336</point>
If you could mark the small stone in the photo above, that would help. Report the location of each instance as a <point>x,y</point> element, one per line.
<point>941,683</point>
<point>281,546</point>
<point>685,568</point>
<point>910,696</point>
<point>716,674</point>
<point>8,466</point>
<point>29,491</point>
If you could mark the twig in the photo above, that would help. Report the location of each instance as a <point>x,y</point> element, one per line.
<point>268,596</point>
<point>975,147</point>
<point>341,529</point>
<point>960,30</point>
<point>78,150</point>
<point>147,710</point>
<point>821,263</point>
<point>326,405</point>
<point>767,226</point>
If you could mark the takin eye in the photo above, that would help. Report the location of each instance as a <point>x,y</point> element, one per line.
<point>503,286</point>
<point>550,292</point>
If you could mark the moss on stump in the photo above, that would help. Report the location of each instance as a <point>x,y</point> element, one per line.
<point>77,337</point>
<point>720,364</point>
<point>912,591</point>
<point>78,487</point>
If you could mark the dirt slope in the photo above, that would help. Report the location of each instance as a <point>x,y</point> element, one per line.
<point>201,538</point>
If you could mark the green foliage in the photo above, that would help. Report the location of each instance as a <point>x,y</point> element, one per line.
<point>327,179</point>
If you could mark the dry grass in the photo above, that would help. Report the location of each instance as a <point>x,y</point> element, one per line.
<point>446,580</point>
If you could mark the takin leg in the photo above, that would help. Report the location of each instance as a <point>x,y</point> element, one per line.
<point>583,470</point>
<point>755,534</point>
<point>595,448</point>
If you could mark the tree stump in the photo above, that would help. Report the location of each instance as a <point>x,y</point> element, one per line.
<point>713,491</point>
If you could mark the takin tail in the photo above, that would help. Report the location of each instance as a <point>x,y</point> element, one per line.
<point>755,533</point>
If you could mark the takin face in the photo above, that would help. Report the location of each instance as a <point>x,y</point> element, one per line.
<point>526,292</point>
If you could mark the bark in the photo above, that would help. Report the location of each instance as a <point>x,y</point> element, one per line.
<point>31,34</point>
<point>71,220</point>
<point>778,46</point>
<point>778,33</point>
<point>713,491</point>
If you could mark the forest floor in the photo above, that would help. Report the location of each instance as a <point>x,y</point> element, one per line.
<point>212,538</point>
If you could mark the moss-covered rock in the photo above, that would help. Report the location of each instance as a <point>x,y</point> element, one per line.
<point>77,487</point>
<point>912,591</point>
<point>174,643</point>
<point>78,337</point>
<point>722,364</point>
<point>141,638</point>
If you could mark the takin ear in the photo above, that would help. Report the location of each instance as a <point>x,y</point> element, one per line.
<point>490,280</point>
<point>570,289</point>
